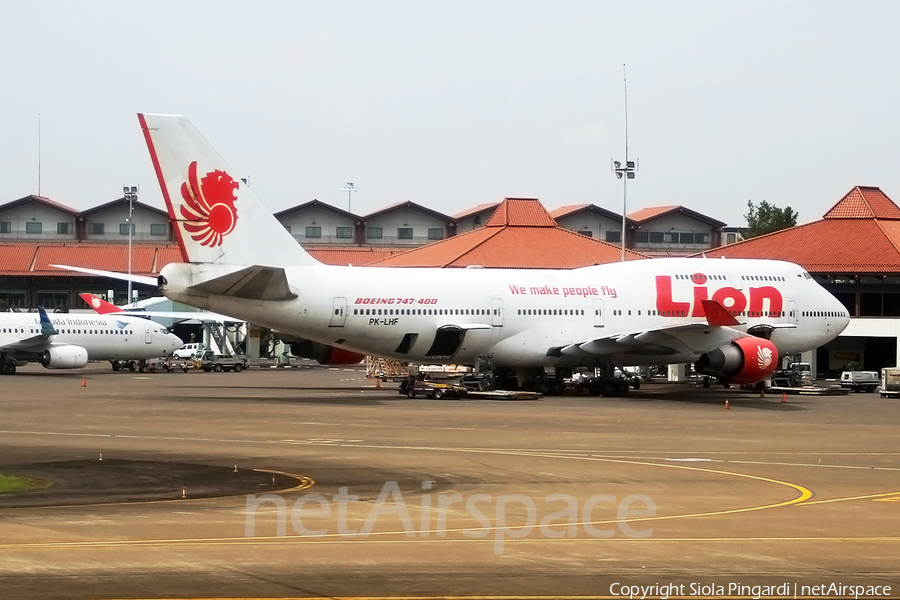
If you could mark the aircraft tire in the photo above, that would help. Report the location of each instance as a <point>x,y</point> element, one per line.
<point>115,365</point>
<point>608,388</point>
<point>8,369</point>
<point>620,388</point>
<point>132,366</point>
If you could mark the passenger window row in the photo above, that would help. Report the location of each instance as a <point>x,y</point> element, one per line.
<point>551,311</point>
<point>426,311</point>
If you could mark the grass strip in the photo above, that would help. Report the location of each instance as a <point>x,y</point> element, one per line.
<point>15,483</point>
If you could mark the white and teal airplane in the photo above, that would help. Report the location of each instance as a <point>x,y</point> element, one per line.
<point>69,341</point>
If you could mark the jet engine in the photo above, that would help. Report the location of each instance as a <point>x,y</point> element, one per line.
<point>745,360</point>
<point>325,354</point>
<point>64,357</point>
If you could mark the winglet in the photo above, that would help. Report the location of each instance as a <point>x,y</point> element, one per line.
<point>716,315</point>
<point>47,328</point>
<point>100,306</point>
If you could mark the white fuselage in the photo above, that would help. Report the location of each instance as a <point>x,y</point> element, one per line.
<point>103,337</point>
<point>524,318</point>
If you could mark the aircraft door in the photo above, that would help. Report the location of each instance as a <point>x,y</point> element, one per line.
<point>497,312</point>
<point>792,311</point>
<point>338,312</point>
<point>148,334</point>
<point>598,312</point>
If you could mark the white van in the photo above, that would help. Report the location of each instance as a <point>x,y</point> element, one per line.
<point>188,351</point>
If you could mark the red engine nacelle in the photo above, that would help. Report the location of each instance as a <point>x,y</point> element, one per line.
<point>325,354</point>
<point>745,360</point>
<point>64,357</point>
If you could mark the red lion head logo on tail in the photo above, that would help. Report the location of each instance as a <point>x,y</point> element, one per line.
<point>209,206</point>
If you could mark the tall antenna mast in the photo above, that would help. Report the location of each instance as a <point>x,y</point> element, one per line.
<point>627,172</point>
<point>39,154</point>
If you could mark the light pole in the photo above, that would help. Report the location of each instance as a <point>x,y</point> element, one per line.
<point>349,188</point>
<point>624,173</point>
<point>627,172</point>
<point>131,194</point>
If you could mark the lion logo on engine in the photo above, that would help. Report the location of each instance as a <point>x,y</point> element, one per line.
<point>763,357</point>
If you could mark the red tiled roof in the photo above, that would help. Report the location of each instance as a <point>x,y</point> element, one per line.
<point>40,200</point>
<point>651,212</point>
<point>567,210</point>
<point>520,212</point>
<point>475,210</point>
<point>357,256</point>
<point>852,238</point>
<point>864,203</point>
<point>21,258</point>
<point>16,259</point>
<point>519,235</point>
<point>408,205</point>
<point>646,214</point>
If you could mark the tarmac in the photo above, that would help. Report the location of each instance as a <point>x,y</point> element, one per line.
<point>313,482</point>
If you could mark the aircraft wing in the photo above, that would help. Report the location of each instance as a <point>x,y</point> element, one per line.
<point>684,338</point>
<point>664,340</point>
<point>111,274</point>
<point>37,342</point>
<point>179,316</point>
<point>468,326</point>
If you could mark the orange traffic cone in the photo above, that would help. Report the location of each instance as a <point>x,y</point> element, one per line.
<point>726,405</point>
<point>783,397</point>
<point>84,382</point>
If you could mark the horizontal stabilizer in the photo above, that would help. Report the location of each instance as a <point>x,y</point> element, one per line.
<point>250,283</point>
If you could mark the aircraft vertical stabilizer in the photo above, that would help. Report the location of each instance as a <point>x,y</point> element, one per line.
<point>215,216</point>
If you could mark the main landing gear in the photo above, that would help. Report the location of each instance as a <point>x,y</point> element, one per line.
<point>599,382</point>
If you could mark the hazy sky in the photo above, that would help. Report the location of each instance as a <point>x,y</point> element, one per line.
<point>453,104</point>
